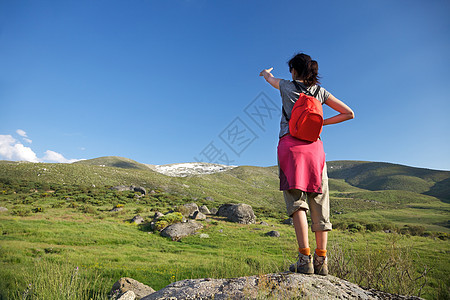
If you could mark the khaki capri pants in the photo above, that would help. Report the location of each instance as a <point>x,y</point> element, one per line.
<point>318,205</point>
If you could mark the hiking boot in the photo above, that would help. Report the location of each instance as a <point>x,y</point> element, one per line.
<point>303,265</point>
<point>320,265</point>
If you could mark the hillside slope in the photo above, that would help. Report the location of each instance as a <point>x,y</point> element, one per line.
<point>375,176</point>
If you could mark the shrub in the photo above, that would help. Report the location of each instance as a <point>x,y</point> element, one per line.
<point>374,227</point>
<point>167,220</point>
<point>354,227</point>
<point>38,210</point>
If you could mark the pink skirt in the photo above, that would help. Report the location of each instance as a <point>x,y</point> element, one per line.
<point>301,164</point>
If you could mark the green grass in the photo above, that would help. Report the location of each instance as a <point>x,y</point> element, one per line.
<point>59,219</point>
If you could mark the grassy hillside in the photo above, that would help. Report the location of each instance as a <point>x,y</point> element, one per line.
<point>59,218</point>
<point>386,176</point>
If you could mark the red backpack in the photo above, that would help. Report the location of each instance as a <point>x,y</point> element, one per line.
<point>306,116</point>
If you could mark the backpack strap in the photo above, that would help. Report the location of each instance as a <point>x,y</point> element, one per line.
<point>302,88</point>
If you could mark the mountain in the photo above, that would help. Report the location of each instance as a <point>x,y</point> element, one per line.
<point>375,176</point>
<point>113,161</point>
<point>176,170</point>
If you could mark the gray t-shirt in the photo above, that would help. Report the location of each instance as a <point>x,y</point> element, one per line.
<point>290,94</point>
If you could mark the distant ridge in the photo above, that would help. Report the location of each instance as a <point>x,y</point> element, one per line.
<point>376,176</point>
<point>113,161</point>
<point>174,170</point>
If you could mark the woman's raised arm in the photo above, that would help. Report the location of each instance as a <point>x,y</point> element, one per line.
<point>275,82</point>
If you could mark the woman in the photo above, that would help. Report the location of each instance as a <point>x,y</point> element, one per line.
<point>303,172</point>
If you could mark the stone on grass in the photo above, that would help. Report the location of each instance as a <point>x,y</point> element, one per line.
<point>204,210</point>
<point>158,215</point>
<point>264,223</point>
<point>213,211</point>
<point>180,230</point>
<point>238,213</point>
<point>138,220</point>
<point>3,209</point>
<point>188,209</point>
<point>198,216</point>
<point>273,233</point>
<point>126,284</point>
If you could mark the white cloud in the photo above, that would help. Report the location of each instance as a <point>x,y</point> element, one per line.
<point>11,149</point>
<point>21,133</point>
<point>27,140</point>
<point>52,156</point>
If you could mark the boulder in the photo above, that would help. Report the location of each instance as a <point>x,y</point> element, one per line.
<point>198,216</point>
<point>140,189</point>
<point>273,233</point>
<point>213,211</point>
<point>209,198</point>
<point>181,230</point>
<point>264,223</point>
<point>116,209</point>
<point>130,295</point>
<point>3,209</point>
<point>138,220</point>
<point>188,209</point>
<point>204,210</point>
<point>126,284</point>
<point>284,285</point>
<point>157,215</point>
<point>238,213</point>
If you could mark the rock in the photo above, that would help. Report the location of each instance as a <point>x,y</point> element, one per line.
<point>116,209</point>
<point>209,198</point>
<point>289,221</point>
<point>238,213</point>
<point>273,233</point>
<point>271,286</point>
<point>264,223</point>
<point>198,216</point>
<point>130,295</point>
<point>213,211</point>
<point>152,192</point>
<point>3,209</point>
<point>157,215</point>
<point>138,220</point>
<point>181,230</point>
<point>188,209</point>
<point>204,210</point>
<point>140,189</point>
<point>126,284</point>
<point>204,236</point>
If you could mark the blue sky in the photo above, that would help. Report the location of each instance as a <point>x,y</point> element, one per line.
<point>177,81</point>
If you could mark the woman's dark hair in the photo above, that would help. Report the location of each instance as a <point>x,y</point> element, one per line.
<point>307,69</point>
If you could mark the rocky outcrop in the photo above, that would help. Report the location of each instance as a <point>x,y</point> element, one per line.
<point>238,213</point>
<point>271,286</point>
<point>125,285</point>
<point>180,230</point>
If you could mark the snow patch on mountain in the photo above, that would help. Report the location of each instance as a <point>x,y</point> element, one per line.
<point>189,169</point>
